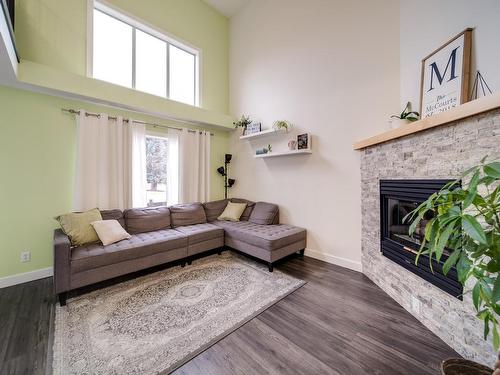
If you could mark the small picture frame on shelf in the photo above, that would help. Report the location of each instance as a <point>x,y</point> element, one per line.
<point>303,141</point>
<point>254,127</point>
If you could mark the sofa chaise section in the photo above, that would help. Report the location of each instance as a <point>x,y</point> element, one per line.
<point>266,242</point>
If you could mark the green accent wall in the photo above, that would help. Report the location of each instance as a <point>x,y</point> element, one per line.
<point>37,157</point>
<point>37,146</point>
<point>54,33</point>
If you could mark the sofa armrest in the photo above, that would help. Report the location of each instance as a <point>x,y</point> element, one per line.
<point>62,261</point>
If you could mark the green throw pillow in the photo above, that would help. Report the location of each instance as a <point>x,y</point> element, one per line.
<point>77,226</point>
<point>233,211</point>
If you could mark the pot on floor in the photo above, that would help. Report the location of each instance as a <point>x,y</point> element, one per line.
<point>460,366</point>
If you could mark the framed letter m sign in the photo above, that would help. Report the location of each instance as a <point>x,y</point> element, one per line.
<point>446,75</point>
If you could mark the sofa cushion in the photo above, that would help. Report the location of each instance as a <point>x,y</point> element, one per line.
<point>233,211</point>
<point>264,213</point>
<point>187,214</point>
<point>139,245</point>
<point>201,232</point>
<point>114,215</point>
<point>76,225</point>
<point>110,231</point>
<point>268,237</point>
<point>214,209</point>
<point>142,220</point>
<point>250,205</point>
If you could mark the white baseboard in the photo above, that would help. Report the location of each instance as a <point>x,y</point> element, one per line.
<point>21,278</point>
<point>339,261</point>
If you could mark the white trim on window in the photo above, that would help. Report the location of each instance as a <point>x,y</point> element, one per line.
<point>148,28</point>
<point>90,38</point>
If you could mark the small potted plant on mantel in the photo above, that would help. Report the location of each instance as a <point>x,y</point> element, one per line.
<point>406,117</point>
<point>243,122</point>
<point>466,222</point>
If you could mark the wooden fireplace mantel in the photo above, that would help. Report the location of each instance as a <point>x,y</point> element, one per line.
<point>468,109</point>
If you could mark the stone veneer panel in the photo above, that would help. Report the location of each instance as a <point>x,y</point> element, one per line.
<point>442,152</point>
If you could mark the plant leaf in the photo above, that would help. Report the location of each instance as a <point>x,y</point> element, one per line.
<point>451,261</point>
<point>475,294</point>
<point>467,172</point>
<point>414,224</point>
<point>493,266</point>
<point>492,169</point>
<point>429,229</point>
<point>443,239</point>
<point>463,266</point>
<point>486,326</point>
<point>495,295</point>
<point>472,190</point>
<point>496,338</point>
<point>403,114</point>
<point>473,229</point>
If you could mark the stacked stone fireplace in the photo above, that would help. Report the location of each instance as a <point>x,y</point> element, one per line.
<point>437,154</point>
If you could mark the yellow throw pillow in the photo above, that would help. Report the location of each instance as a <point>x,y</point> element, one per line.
<point>233,211</point>
<point>110,231</point>
<point>78,228</point>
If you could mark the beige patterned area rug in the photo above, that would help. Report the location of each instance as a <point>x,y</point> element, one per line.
<point>156,323</point>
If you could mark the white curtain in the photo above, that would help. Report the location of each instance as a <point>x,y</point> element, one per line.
<point>173,168</point>
<point>137,161</point>
<point>194,166</point>
<point>110,163</point>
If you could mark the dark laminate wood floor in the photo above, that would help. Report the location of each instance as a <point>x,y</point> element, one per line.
<point>338,323</point>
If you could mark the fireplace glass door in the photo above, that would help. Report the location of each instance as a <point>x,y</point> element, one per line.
<point>398,199</point>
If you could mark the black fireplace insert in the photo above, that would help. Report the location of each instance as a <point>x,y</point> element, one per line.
<point>397,199</point>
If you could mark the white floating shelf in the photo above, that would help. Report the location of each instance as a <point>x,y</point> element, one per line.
<point>285,153</point>
<point>263,133</point>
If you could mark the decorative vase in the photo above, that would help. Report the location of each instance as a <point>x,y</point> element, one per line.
<point>261,151</point>
<point>460,366</point>
<point>398,122</point>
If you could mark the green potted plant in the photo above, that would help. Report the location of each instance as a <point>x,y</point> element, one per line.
<point>243,122</point>
<point>406,117</point>
<point>465,220</point>
<point>282,124</point>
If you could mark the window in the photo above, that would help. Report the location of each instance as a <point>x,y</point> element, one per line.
<point>112,50</point>
<point>151,69</point>
<point>162,170</point>
<point>156,171</point>
<point>131,54</point>
<point>181,74</point>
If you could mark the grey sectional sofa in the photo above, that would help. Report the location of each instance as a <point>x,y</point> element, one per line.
<point>165,234</point>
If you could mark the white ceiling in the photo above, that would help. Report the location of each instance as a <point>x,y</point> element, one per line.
<point>227,7</point>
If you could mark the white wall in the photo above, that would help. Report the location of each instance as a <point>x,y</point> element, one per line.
<point>332,68</point>
<point>427,24</point>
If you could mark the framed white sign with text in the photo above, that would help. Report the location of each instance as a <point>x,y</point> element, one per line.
<point>446,76</point>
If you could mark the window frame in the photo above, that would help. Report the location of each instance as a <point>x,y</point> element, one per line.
<point>145,27</point>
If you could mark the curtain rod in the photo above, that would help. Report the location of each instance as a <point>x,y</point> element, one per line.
<point>75,112</point>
